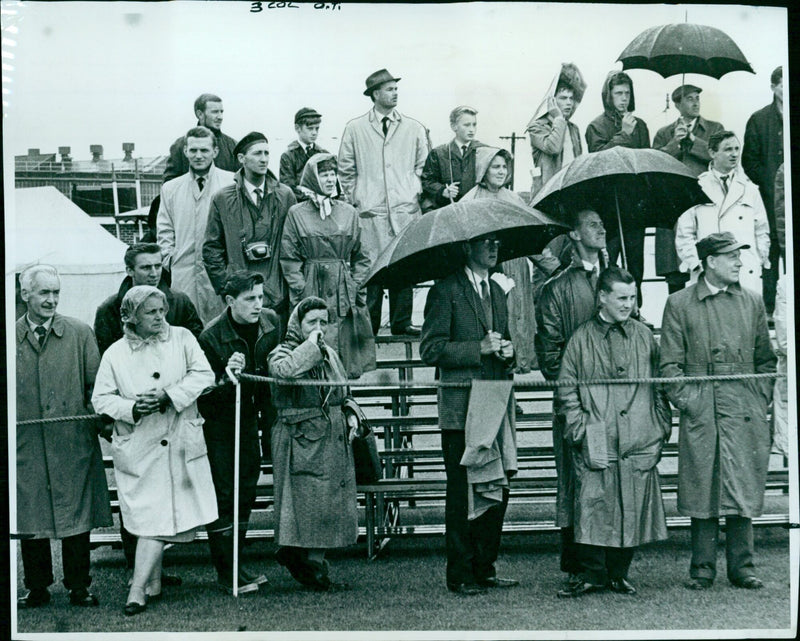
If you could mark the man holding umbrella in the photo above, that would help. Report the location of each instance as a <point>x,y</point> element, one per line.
<point>465,335</point>
<point>687,140</point>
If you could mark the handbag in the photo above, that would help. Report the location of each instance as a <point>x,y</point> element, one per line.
<point>365,446</point>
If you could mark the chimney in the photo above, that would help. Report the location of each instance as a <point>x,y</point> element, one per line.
<point>127,147</point>
<point>97,152</point>
<point>64,151</point>
<point>33,153</point>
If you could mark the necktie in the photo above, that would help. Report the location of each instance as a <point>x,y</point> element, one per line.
<point>40,332</point>
<point>486,302</point>
<point>201,182</point>
<point>310,151</point>
<point>593,277</point>
<point>463,151</point>
<point>258,193</point>
<point>385,122</point>
<point>724,180</point>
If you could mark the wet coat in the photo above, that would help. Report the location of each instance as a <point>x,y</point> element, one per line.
<point>565,302</point>
<point>521,313</point>
<point>108,320</point>
<point>380,176</point>
<point>725,439</point>
<point>61,483</point>
<point>740,212</point>
<point>234,220</point>
<point>323,257</point>
<point>160,461</point>
<point>313,470</point>
<point>293,160</point>
<point>605,131</point>
<point>453,329</point>
<point>178,163</point>
<point>180,232</point>
<point>446,165</point>
<point>762,153</point>
<point>615,434</point>
<point>694,154</point>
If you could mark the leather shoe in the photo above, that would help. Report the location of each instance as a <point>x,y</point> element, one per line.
<point>698,584</point>
<point>621,586</point>
<point>497,582</point>
<point>83,598</point>
<point>748,583</point>
<point>243,588</point>
<point>573,579</point>
<point>579,589</point>
<point>408,330</point>
<point>133,608</point>
<point>35,598</point>
<point>246,575</point>
<point>467,589</point>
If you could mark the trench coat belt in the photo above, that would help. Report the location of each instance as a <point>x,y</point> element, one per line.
<point>703,369</point>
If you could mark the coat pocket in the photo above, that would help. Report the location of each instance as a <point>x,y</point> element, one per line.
<point>125,454</point>
<point>309,444</point>
<point>194,443</point>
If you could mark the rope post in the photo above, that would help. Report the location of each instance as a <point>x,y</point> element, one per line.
<point>236,438</point>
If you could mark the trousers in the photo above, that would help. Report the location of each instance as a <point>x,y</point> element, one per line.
<point>601,564</point>
<point>400,308</point>
<point>739,548</point>
<point>37,563</point>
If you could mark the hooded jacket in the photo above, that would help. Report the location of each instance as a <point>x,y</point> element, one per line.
<point>605,131</point>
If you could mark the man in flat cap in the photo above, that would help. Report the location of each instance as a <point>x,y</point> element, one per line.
<point>245,224</point>
<point>687,140</point>
<point>380,163</point>
<point>306,124</point>
<point>735,206</point>
<point>718,327</point>
<point>208,110</point>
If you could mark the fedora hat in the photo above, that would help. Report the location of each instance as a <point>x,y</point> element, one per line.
<point>375,80</point>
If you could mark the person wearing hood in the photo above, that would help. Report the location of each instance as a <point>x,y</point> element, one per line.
<point>449,171</point>
<point>208,109</point>
<point>321,255</point>
<point>148,383</point>
<point>555,141</point>
<point>618,127</point>
<point>493,174</point>
<point>313,470</point>
<point>245,224</point>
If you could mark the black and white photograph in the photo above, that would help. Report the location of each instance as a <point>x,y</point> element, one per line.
<point>332,320</point>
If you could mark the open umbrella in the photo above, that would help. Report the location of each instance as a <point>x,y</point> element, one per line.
<point>626,187</point>
<point>684,48</point>
<point>430,247</point>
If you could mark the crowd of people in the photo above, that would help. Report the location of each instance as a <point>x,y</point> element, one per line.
<point>257,274</point>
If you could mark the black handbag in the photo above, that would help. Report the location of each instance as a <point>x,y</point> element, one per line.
<point>365,446</point>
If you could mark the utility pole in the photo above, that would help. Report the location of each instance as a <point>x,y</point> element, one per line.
<point>513,138</point>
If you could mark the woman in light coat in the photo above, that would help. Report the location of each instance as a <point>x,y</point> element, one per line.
<point>493,173</point>
<point>313,471</point>
<point>321,255</point>
<point>148,382</point>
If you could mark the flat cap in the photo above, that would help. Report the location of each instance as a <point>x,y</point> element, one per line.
<point>307,113</point>
<point>375,80</point>
<point>681,91</point>
<point>248,141</point>
<point>718,243</point>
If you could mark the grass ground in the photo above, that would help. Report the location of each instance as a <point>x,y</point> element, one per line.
<point>404,590</point>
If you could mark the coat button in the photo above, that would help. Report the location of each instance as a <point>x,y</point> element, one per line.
<point>623,413</point>
<point>164,442</point>
<point>341,438</point>
<point>342,484</point>
<point>746,419</point>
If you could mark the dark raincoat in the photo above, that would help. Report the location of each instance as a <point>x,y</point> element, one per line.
<point>615,434</point>
<point>725,439</point>
<point>322,256</point>
<point>605,131</point>
<point>313,471</point>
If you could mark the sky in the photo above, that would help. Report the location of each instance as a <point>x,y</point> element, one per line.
<point>77,73</point>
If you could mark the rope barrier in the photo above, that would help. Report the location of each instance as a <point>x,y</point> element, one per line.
<point>410,385</point>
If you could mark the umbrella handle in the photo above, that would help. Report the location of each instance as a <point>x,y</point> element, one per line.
<point>621,235</point>
<point>236,438</point>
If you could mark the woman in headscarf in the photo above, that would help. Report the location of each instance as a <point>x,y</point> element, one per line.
<point>313,472</point>
<point>493,174</point>
<point>148,382</point>
<point>321,255</point>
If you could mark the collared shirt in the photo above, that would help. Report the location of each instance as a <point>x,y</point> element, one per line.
<point>47,324</point>
<point>461,146</point>
<point>392,115</point>
<point>690,125</point>
<point>715,290</point>
<point>609,324</point>
<point>589,267</point>
<point>205,176</point>
<point>475,280</point>
<point>719,175</point>
<point>251,189</point>
<point>305,145</point>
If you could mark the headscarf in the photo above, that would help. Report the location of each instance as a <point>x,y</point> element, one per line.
<point>330,368</point>
<point>131,302</point>
<point>309,184</point>
<point>484,157</point>
<point>570,76</point>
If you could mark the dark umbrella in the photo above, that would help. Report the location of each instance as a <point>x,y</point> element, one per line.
<point>430,247</point>
<point>634,186</point>
<point>684,48</point>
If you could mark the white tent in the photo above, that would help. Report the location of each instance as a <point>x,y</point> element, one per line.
<point>44,226</point>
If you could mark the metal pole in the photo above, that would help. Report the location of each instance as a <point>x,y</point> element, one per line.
<point>621,235</point>
<point>513,138</point>
<point>116,199</point>
<point>236,437</point>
